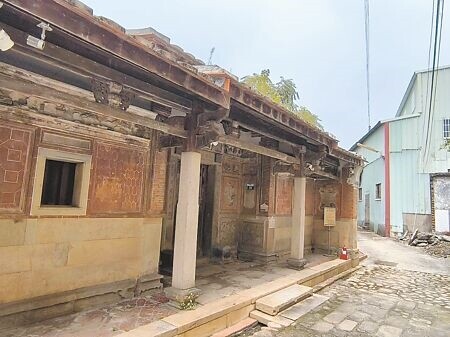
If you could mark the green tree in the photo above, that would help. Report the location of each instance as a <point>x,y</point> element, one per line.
<point>283,92</point>
<point>264,85</point>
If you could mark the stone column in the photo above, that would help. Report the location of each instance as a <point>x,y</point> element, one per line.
<point>185,247</point>
<point>296,260</point>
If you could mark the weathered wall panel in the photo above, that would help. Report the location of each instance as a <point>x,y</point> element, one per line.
<point>117,179</point>
<point>283,199</point>
<point>15,156</point>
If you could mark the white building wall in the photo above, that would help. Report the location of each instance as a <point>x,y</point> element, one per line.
<point>414,154</point>
<point>373,174</point>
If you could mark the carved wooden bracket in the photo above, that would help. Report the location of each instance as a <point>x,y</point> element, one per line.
<point>112,93</point>
<point>204,116</point>
<point>315,158</point>
<point>205,126</point>
<point>208,133</point>
<point>231,129</point>
<point>281,167</point>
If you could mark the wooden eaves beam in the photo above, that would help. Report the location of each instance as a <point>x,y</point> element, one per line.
<point>52,94</point>
<point>258,149</point>
<point>87,28</point>
<point>57,57</point>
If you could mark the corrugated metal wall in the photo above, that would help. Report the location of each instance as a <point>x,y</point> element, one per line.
<point>414,155</point>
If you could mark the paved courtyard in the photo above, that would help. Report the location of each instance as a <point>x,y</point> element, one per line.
<point>102,322</point>
<point>215,281</point>
<point>388,296</point>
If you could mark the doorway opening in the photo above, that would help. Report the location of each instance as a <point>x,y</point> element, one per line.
<point>205,217</point>
<point>205,210</point>
<point>367,211</point>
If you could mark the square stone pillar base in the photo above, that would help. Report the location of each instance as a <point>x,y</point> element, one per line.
<point>179,296</point>
<point>297,264</point>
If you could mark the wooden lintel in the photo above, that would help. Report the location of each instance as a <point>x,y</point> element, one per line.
<point>29,117</point>
<point>258,149</point>
<point>51,94</point>
<point>169,141</point>
<point>323,175</point>
<point>266,134</point>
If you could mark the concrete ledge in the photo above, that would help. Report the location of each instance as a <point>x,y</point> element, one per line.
<point>221,314</point>
<point>157,328</point>
<point>237,328</point>
<point>188,320</point>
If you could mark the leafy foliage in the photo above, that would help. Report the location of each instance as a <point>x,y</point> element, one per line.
<point>283,92</point>
<point>188,303</point>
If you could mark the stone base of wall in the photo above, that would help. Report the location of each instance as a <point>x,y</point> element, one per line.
<point>49,306</point>
<point>226,254</point>
<point>244,255</point>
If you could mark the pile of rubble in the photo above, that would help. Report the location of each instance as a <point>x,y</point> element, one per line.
<point>434,244</point>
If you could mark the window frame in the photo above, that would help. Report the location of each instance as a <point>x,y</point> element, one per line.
<point>360,194</point>
<point>378,195</point>
<point>81,183</point>
<point>446,128</point>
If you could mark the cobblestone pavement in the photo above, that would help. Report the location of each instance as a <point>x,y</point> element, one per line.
<point>409,285</point>
<point>364,305</point>
<point>389,296</point>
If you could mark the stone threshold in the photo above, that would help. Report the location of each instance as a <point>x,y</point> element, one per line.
<point>228,311</point>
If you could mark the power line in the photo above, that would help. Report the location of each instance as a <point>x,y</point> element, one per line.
<point>429,53</point>
<point>436,51</point>
<point>367,26</point>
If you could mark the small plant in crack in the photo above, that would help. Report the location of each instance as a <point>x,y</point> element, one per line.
<point>188,302</point>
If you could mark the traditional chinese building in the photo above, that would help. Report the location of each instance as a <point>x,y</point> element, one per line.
<point>117,147</point>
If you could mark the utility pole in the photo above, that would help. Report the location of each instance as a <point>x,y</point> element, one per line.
<point>367,26</point>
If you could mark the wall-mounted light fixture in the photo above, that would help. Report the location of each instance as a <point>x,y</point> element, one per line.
<point>5,41</point>
<point>36,42</point>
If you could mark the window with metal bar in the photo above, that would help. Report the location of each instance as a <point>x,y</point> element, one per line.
<point>446,128</point>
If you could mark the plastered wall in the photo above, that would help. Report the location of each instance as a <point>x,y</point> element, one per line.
<point>117,239</point>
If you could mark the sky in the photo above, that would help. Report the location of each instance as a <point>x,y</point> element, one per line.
<point>320,44</point>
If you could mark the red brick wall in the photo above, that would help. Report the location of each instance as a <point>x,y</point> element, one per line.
<point>349,198</point>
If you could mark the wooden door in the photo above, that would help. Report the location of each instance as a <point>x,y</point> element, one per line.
<point>367,210</point>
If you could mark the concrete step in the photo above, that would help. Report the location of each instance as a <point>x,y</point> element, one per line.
<point>266,319</point>
<point>290,315</point>
<point>302,308</point>
<point>274,303</point>
<point>243,325</point>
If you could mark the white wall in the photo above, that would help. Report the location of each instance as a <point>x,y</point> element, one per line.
<point>373,174</point>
